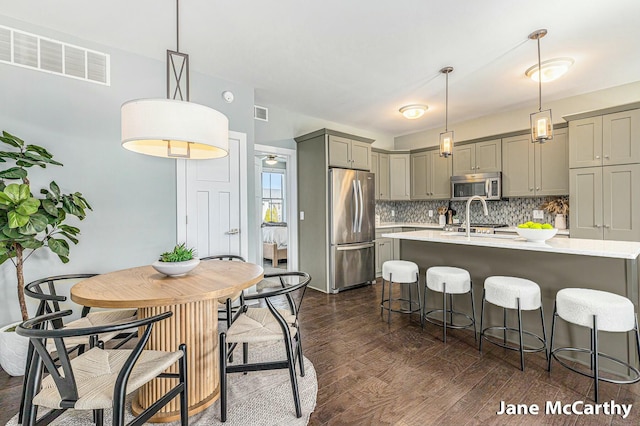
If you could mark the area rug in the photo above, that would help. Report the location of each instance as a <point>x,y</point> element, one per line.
<point>257,398</point>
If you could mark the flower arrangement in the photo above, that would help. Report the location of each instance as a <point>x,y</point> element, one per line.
<point>558,205</point>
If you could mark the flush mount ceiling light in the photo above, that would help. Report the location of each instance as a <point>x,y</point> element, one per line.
<point>446,138</point>
<point>271,160</point>
<point>541,122</point>
<point>552,69</point>
<point>175,127</point>
<point>413,111</point>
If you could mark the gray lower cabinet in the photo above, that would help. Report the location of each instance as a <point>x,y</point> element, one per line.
<point>605,202</point>
<point>530,169</point>
<point>384,252</point>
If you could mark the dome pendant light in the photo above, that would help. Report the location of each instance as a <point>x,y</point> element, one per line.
<point>446,138</point>
<point>541,122</point>
<point>174,127</point>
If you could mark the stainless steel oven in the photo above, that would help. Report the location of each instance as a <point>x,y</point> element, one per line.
<point>488,185</point>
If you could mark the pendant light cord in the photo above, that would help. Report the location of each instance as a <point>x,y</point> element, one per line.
<point>539,79</point>
<point>178,27</point>
<point>446,108</point>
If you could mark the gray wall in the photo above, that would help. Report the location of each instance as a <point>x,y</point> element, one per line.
<point>133,195</point>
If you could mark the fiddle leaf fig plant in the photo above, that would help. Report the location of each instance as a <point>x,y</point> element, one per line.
<point>29,222</point>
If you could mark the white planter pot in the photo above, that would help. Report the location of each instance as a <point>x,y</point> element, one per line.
<point>175,269</point>
<point>560,222</point>
<point>13,351</point>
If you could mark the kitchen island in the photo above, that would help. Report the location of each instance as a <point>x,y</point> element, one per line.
<point>555,264</point>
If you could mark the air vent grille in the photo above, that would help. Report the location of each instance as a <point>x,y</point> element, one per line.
<point>53,56</point>
<point>260,113</point>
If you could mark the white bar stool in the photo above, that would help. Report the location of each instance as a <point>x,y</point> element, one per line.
<point>400,272</point>
<point>513,293</point>
<point>598,311</point>
<point>449,281</point>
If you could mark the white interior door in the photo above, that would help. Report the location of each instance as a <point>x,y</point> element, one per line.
<point>213,214</point>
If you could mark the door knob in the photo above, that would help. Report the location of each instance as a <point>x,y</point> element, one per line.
<point>233,231</point>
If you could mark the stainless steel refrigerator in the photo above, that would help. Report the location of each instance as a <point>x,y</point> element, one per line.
<point>352,228</point>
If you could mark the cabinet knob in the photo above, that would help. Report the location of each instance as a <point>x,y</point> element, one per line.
<point>597,157</point>
<point>597,226</point>
<point>606,157</point>
<point>606,226</point>
<point>530,189</point>
<point>537,188</point>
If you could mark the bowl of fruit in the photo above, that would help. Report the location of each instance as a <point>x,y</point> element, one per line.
<point>536,232</point>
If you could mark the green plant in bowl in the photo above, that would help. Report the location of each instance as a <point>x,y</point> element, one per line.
<point>180,253</point>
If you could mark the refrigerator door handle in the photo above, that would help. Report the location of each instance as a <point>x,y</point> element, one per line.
<point>354,247</point>
<point>361,205</point>
<point>355,203</point>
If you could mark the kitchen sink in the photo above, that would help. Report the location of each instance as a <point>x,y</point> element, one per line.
<point>463,235</point>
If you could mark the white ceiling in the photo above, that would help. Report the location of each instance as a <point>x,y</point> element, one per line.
<point>357,61</point>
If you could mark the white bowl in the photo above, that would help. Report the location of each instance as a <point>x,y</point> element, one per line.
<point>175,269</point>
<point>536,235</point>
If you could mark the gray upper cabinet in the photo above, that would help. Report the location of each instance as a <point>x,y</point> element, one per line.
<point>605,201</point>
<point>479,157</point>
<point>530,169</point>
<point>605,140</point>
<point>430,176</point>
<point>380,166</point>
<point>399,176</point>
<point>348,153</point>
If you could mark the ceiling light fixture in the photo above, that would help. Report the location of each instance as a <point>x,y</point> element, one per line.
<point>541,122</point>
<point>174,127</point>
<point>446,138</point>
<point>271,160</point>
<point>413,111</point>
<point>552,69</point>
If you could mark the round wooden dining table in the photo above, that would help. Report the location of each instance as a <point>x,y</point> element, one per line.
<point>193,299</point>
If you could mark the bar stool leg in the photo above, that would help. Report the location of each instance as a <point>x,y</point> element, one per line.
<point>520,335</point>
<point>389,311</point>
<point>637,337</point>
<point>473,312</point>
<point>544,334</point>
<point>382,298</point>
<point>424,304</point>
<point>504,323</point>
<point>553,332</point>
<point>481,321</point>
<point>444,312</point>
<point>450,308</point>
<point>419,299</point>
<point>594,355</point>
<point>410,300</point>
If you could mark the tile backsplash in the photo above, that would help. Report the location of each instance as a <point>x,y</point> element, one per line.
<point>510,211</point>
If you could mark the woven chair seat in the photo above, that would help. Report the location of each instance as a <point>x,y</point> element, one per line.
<point>259,325</point>
<point>95,319</point>
<point>96,372</point>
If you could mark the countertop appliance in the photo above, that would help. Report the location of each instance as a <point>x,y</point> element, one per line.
<point>351,228</point>
<point>488,185</point>
<point>476,228</point>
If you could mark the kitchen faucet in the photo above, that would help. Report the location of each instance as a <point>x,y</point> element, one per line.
<point>484,206</point>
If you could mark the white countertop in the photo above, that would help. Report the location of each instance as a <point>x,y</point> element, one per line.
<point>387,225</point>
<point>598,248</point>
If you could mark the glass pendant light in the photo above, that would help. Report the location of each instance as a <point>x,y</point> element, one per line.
<point>446,138</point>
<point>541,121</point>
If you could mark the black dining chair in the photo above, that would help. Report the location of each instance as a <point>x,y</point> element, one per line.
<point>227,314</point>
<point>47,291</point>
<point>98,378</point>
<point>275,320</point>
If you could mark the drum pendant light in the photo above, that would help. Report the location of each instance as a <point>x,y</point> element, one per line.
<point>541,122</point>
<point>446,138</point>
<point>174,127</point>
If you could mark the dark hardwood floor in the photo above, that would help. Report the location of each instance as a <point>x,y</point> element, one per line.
<point>370,373</point>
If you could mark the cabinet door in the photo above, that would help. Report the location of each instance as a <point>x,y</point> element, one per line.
<point>339,152</point>
<point>399,176</point>
<point>585,189</point>
<point>383,168</point>
<point>384,252</point>
<point>360,155</point>
<point>375,169</point>
<point>464,159</point>
<point>552,165</point>
<point>419,190</point>
<point>488,156</point>
<point>621,138</point>
<point>439,175</point>
<point>621,202</point>
<point>517,166</point>
<point>585,142</point>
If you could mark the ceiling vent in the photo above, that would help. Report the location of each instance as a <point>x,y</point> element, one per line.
<point>33,51</point>
<point>260,113</point>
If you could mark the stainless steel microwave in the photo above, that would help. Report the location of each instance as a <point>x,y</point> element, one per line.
<point>488,185</point>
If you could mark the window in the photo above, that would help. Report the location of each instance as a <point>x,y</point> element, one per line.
<point>273,204</point>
